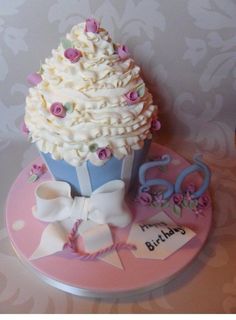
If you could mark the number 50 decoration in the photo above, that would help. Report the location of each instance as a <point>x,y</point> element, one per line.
<point>169,187</point>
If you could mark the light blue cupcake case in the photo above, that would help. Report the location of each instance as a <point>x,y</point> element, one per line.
<point>88,177</point>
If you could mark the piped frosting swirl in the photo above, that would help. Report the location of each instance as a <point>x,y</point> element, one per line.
<point>93,91</point>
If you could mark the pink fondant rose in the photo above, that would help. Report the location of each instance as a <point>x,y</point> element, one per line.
<point>24,128</point>
<point>58,110</point>
<point>38,170</point>
<point>145,198</point>
<point>132,97</point>
<point>203,202</point>
<point>91,25</point>
<point>155,125</point>
<point>178,198</point>
<point>34,78</point>
<point>73,54</point>
<point>123,52</point>
<point>104,153</point>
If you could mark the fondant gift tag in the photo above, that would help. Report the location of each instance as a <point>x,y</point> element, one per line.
<point>158,237</point>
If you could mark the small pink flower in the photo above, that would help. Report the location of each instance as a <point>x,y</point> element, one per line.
<point>203,202</point>
<point>178,198</point>
<point>123,52</point>
<point>91,25</point>
<point>191,188</point>
<point>58,110</point>
<point>104,153</point>
<point>24,128</point>
<point>188,196</point>
<point>34,78</point>
<point>132,97</point>
<point>198,211</point>
<point>144,198</point>
<point>159,198</point>
<point>38,170</point>
<point>155,125</point>
<point>73,54</point>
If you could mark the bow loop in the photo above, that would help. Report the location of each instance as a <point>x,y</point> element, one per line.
<point>53,199</point>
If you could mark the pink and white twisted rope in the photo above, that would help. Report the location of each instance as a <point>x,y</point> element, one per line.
<point>71,244</point>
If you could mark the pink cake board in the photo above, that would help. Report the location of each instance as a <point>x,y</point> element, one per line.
<point>97,278</point>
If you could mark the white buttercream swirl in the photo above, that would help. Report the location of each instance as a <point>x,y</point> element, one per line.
<point>95,86</point>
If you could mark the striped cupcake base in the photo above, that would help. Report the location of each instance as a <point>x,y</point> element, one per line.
<point>88,177</point>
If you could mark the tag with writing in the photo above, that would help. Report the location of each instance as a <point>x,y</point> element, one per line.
<point>158,237</point>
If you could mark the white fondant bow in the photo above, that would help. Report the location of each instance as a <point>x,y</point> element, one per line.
<point>105,205</point>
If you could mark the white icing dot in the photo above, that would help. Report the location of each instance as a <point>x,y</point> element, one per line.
<point>175,162</point>
<point>18,225</point>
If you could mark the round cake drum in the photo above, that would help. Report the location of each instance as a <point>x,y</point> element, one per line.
<point>98,278</point>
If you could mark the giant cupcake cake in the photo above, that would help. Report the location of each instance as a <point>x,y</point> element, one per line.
<point>92,119</point>
<point>90,113</point>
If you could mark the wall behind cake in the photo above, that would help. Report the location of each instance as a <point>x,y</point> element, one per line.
<point>186,48</point>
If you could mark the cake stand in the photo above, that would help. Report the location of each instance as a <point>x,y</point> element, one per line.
<point>97,278</point>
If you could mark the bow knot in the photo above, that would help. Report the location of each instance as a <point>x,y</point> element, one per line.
<point>105,205</point>
<point>81,207</point>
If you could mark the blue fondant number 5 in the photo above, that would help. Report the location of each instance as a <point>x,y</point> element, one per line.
<point>171,188</point>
